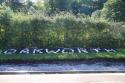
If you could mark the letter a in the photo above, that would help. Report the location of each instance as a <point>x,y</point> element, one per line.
<point>24,51</point>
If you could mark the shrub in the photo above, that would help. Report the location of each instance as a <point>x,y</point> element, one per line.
<point>114,10</point>
<point>6,15</point>
<point>61,30</point>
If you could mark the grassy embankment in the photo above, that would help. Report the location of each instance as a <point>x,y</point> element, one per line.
<point>119,55</point>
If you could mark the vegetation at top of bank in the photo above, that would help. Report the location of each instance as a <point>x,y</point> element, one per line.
<point>53,25</point>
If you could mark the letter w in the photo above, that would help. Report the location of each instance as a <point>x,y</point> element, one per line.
<point>52,51</point>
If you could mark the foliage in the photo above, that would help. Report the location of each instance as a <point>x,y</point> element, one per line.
<point>59,5</point>
<point>1,1</point>
<point>40,5</point>
<point>114,10</point>
<point>63,29</point>
<point>76,6</point>
<point>5,23</point>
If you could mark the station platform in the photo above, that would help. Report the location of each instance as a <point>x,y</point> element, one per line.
<point>64,78</point>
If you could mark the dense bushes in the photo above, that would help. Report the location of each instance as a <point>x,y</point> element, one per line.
<point>114,10</point>
<point>61,30</point>
<point>5,21</point>
<point>76,6</point>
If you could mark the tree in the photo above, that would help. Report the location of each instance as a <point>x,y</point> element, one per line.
<point>5,23</point>
<point>114,10</point>
<point>1,1</point>
<point>16,5</point>
<point>29,3</point>
<point>99,3</point>
<point>40,4</point>
<point>89,6</point>
<point>60,5</point>
<point>75,7</point>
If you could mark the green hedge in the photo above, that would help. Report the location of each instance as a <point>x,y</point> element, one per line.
<point>60,30</point>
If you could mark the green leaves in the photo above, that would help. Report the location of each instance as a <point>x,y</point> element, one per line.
<point>114,10</point>
<point>61,30</point>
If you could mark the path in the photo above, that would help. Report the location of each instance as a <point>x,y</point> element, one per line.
<point>64,78</point>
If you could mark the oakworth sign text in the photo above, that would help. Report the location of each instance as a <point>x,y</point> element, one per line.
<point>55,50</point>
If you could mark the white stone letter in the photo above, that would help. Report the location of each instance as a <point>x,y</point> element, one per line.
<point>67,49</point>
<point>110,50</point>
<point>52,51</point>
<point>24,51</point>
<point>10,51</point>
<point>37,51</point>
<point>96,50</point>
<point>80,50</point>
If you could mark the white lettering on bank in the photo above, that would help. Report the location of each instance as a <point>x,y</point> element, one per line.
<point>57,50</point>
<point>10,51</point>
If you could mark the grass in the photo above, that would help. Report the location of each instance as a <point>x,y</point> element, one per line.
<point>119,55</point>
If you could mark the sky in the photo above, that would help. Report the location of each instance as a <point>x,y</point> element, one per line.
<point>33,0</point>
